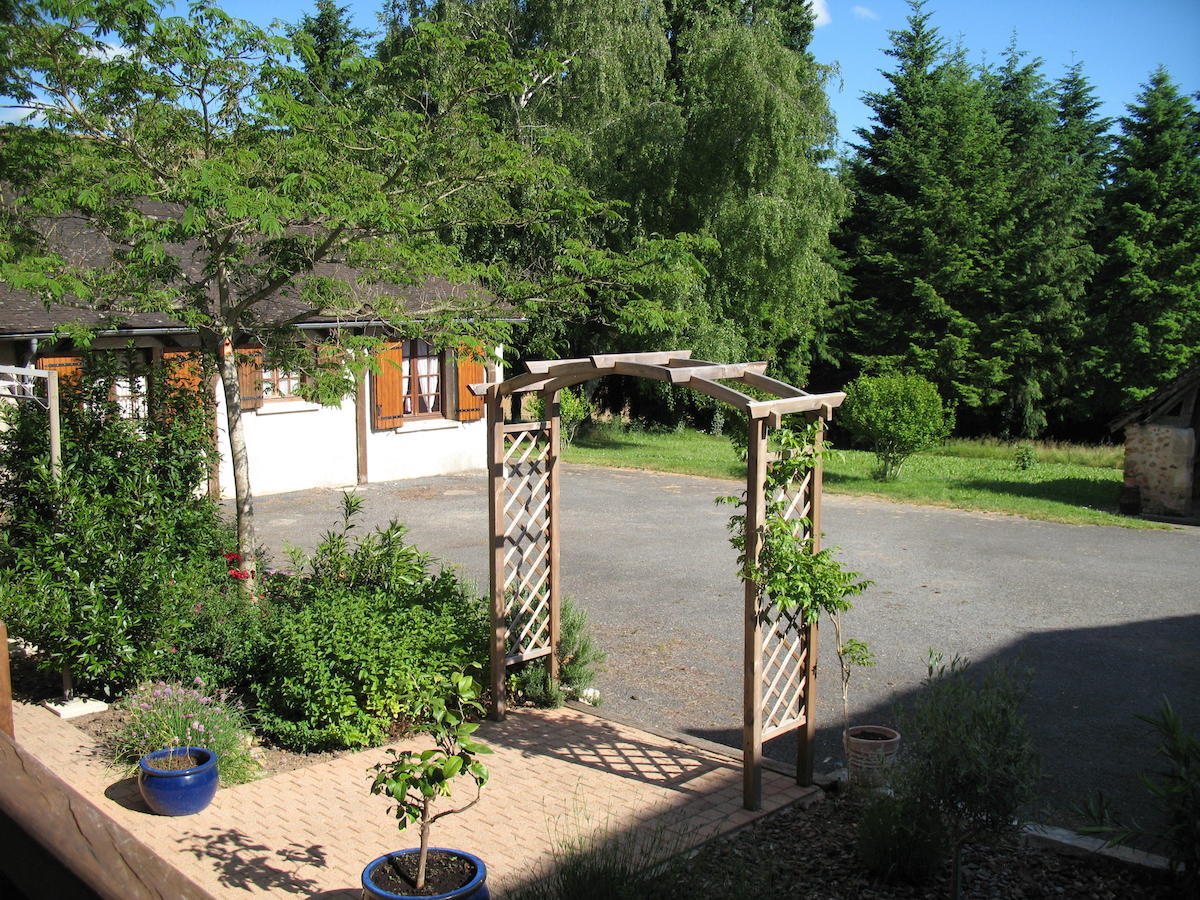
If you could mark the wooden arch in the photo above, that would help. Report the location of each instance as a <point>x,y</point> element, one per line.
<point>523,468</point>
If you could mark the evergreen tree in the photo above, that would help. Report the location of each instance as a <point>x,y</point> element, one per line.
<point>1084,144</point>
<point>1041,244</point>
<point>929,184</point>
<point>327,42</point>
<point>1146,301</point>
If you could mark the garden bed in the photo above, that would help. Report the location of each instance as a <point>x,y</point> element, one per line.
<point>811,853</point>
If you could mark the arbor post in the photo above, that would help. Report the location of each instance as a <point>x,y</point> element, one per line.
<point>752,707</point>
<point>499,633</point>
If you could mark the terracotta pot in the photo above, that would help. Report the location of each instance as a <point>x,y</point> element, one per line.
<point>870,750</point>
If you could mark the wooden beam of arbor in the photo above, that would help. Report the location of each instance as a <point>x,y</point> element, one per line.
<point>760,409</point>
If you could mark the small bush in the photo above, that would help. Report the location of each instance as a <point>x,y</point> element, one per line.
<point>357,636</point>
<point>574,409</point>
<point>578,658</point>
<point>170,714</point>
<point>895,416</point>
<point>899,839</point>
<point>968,759</point>
<point>1177,790</point>
<point>1024,457</point>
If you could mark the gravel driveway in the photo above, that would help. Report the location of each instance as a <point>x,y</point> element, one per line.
<point>1108,618</point>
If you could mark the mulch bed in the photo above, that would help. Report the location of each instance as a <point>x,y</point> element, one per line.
<point>811,854</point>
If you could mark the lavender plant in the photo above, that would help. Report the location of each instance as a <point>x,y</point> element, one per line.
<point>171,714</point>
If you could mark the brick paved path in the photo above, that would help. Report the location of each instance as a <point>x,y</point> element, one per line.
<point>556,777</point>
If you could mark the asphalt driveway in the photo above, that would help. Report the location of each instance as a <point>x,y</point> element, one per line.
<point>1108,618</point>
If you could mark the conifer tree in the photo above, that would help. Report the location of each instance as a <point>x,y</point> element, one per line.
<point>1146,298</point>
<point>929,182</point>
<point>1042,249</point>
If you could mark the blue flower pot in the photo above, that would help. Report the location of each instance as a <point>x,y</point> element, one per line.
<point>475,889</point>
<point>179,792</point>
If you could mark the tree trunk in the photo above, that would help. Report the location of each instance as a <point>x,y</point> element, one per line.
<point>424,854</point>
<point>244,501</point>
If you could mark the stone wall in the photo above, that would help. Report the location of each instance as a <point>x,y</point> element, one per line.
<point>1161,460</point>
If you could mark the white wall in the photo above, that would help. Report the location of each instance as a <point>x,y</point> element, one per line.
<point>426,447</point>
<point>294,446</point>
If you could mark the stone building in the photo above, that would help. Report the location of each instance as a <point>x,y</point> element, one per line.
<point>1161,464</point>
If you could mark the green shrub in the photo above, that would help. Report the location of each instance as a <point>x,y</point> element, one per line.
<point>895,416</point>
<point>967,759</point>
<point>170,714</point>
<point>221,635</point>
<point>1024,457</point>
<point>98,567</point>
<point>357,636</point>
<point>574,409</point>
<point>899,839</point>
<point>578,658</point>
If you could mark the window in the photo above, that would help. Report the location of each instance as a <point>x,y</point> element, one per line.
<point>421,373</point>
<point>280,384</point>
<point>416,381</point>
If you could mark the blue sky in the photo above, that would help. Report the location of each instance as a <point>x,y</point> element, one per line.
<point>1120,43</point>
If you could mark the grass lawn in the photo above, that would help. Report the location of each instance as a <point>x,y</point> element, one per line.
<point>1077,485</point>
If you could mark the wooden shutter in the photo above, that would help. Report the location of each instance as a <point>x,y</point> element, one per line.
<point>69,368</point>
<point>183,370</point>
<point>250,361</point>
<point>470,371</point>
<point>387,388</point>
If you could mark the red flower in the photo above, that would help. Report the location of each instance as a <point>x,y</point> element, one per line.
<point>240,574</point>
<point>233,557</point>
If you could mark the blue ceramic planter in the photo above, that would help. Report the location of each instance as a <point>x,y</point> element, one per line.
<point>179,792</point>
<point>475,889</point>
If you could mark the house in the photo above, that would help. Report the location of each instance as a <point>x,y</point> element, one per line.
<point>1162,467</point>
<point>413,418</point>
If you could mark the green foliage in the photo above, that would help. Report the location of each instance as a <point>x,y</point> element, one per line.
<point>101,566</point>
<point>1024,457</point>
<point>574,410</point>
<point>968,758</point>
<point>1145,305</point>
<point>415,779</point>
<point>358,634</point>
<point>895,416</point>
<point>292,166</point>
<point>162,714</point>
<point>899,839</point>
<point>578,658</point>
<point>1177,791</point>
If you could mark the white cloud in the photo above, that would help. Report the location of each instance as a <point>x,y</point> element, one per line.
<point>861,12</point>
<point>820,10</point>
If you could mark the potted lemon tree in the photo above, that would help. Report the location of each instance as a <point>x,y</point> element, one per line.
<point>414,780</point>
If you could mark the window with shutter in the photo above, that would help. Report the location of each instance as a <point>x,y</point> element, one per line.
<point>250,376</point>
<point>387,389</point>
<point>67,367</point>
<point>470,371</point>
<point>183,370</point>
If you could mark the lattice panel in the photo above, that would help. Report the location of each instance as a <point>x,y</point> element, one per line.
<point>783,634</point>
<point>526,540</point>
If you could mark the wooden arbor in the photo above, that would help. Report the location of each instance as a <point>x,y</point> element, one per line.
<point>523,457</point>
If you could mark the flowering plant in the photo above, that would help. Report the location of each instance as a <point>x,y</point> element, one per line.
<point>170,714</point>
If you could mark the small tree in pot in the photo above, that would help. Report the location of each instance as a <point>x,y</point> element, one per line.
<point>414,779</point>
